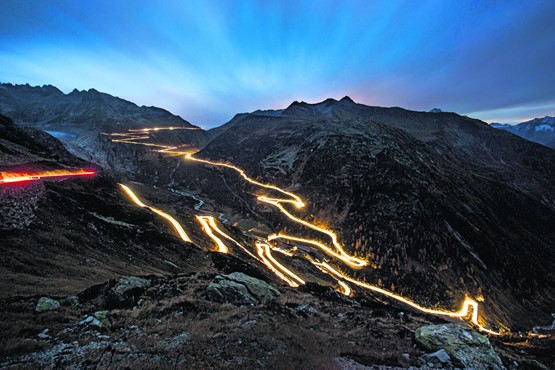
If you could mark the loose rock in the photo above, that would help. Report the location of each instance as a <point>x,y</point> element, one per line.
<point>90,320</point>
<point>240,289</point>
<point>47,304</point>
<point>126,292</point>
<point>440,357</point>
<point>102,316</point>
<point>466,347</point>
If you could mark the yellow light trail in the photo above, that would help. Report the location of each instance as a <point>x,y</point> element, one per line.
<point>288,253</point>
<point>264,252</point>
<point>132,135</point>
<point>349,260</point>
<point>468,305</point>
<point>172,220</point>
<point>207,223</point>
<point>171,128</point>
<point>296,200</point>
<point>345,289</point>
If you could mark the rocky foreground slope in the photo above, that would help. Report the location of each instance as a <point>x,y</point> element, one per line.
<point>204,320</point>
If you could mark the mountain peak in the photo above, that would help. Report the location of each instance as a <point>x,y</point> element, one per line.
<point>347,99</point>
<point>297,103</point>
<point>329,101</point>
<point>49,89</point>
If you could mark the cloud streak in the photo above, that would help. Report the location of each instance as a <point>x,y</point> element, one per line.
<point>207,60</point>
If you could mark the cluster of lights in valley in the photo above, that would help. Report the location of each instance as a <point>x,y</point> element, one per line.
<point>263,249</point>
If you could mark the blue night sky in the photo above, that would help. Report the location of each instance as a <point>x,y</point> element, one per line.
<point>207,60</point>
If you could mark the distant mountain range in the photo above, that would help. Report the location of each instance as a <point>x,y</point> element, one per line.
<point>79,118</point>
<point>538,130</point>
<point>86,110</point>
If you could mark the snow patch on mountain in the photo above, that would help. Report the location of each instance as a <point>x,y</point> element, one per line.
<point>544,127</point>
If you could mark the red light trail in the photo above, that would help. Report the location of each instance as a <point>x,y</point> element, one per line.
<point>18,177</point>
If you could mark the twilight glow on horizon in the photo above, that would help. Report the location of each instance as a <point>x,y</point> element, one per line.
<point>207,60</point>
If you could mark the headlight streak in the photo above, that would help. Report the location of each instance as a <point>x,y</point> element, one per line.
<point>345,289</point>
<point>296,199</point>
<point>133,135</point>
<point>176,225</point>
<point>206,223</point>
<point>264,252</point>
<point>210,222</point>
<point>468,305</point>
<point>288,253</point>
<point>347,259</point>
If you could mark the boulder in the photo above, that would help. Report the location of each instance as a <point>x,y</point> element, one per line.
<point>240,289</point>
<point>466,347</point>
<point>91,320</point>
<point>229,291</point>
<point>47,304</point>
<point>102,316</point>
<point>259,288</point>
<point>71,301</point>
<point>126,292</point>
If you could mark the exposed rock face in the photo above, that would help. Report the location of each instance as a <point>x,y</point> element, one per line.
<point>126,292</point>
<point>47,304</point>
<point>240,289</point>
<point>466,347</point>
<point>20,146</point>
<point>18,205</point>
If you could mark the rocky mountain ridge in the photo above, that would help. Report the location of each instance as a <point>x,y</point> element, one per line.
<point>80,118</point>
<point>538,130</point>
